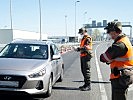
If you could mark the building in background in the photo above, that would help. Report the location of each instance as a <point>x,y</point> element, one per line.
<point>126,26</point>
<point>104,23</point>
<point>63,39</point>
<point>8,35</point>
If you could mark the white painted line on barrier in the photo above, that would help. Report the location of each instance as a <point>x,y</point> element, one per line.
<point>102,88</point>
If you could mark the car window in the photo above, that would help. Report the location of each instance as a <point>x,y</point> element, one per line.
<point>30,51</point>
<point>55,49</point>
<point>40,51</point>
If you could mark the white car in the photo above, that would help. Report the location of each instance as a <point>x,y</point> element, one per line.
<point>25,67</point>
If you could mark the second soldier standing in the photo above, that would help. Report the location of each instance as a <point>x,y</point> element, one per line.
<point>85,57</point>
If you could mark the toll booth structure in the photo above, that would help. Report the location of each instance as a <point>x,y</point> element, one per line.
<point>100,25</point>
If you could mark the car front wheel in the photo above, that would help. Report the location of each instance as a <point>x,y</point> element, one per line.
<point>49,91</point>
<point>61,75</point>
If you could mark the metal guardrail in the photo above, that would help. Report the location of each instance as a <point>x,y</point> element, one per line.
<point>70,46</point>
<point>67,47</point>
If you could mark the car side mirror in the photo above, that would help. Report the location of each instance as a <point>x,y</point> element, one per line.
<point>55,57</point>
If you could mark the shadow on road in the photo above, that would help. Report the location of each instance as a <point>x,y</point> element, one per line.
<point>104,82</point>
<point>9,97</point>
<point>17,96</point>
<point>73,88</point>
<point>65,88</point>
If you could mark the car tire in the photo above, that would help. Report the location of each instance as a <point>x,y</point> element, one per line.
<point>61,75</point>
<point>49,90</point>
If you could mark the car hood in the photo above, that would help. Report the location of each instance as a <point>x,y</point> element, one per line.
<point>20,64</point>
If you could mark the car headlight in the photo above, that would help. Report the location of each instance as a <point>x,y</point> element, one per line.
<point>38,74</point>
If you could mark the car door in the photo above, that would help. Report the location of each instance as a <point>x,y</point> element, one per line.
<point>53,63</point>
<point>57,60</point>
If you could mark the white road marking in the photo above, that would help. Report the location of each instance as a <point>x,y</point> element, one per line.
<point>102,88</point>
<point>130,88</point>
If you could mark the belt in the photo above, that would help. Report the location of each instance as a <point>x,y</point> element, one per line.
<point>121,69</point>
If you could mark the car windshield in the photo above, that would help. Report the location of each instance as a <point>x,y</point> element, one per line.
<point>25,51</point>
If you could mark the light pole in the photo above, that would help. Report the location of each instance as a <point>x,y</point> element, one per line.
<point>89,20</point>
<point>66,25</point>
<point>75,18</point>
<point>85,17</point>
<point>11,13</point>
<point>40,19</point>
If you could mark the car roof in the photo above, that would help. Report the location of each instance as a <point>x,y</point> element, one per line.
<point>31,41</point>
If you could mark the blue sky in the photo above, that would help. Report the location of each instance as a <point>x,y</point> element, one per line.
<point>25,14</point>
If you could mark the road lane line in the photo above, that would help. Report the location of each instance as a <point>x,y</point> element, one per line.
<point>101,85</point>
<point>130,87</point>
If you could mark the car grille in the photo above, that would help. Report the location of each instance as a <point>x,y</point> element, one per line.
<point>12,81</point>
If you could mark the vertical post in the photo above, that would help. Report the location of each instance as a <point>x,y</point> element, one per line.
<point>11,13</point>
<point>85,17</point>
<point>75,19</point>
<point>131,32</point>
<point>66,25</point>
<point>40,19</point>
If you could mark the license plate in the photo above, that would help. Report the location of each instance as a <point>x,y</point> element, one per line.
<point>9,83</point>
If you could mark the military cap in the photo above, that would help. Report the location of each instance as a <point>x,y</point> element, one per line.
<point>113,26</point>
<point>81,30</point>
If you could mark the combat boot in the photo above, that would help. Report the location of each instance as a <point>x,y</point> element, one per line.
<point>85,88</point>
<point>82,86</point>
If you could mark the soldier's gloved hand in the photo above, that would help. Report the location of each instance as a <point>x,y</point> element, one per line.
<point>77,49</point>
<point>116,71</point>
<point>107,63</point>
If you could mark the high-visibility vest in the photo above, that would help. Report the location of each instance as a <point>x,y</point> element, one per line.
<point>82,44</point>
<point>124,61</point>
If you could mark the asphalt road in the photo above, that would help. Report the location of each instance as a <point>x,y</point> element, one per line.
<point>68,89</point>
<point>101,87</point>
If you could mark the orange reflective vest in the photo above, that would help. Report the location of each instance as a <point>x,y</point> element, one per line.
<point>82,44</point>
<point>124,61</point>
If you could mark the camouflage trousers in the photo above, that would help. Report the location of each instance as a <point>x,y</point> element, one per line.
<point>119,92</point>
<point>85,69</point>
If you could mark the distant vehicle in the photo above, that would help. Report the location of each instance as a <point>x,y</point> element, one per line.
<point>55,40</point>
<point>30,66</point>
